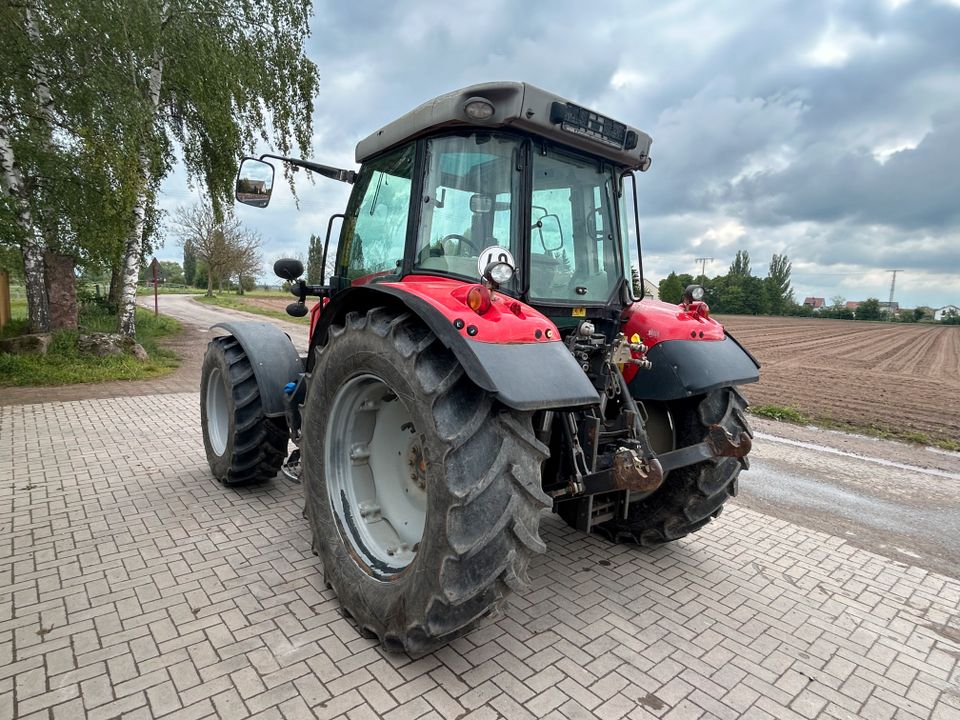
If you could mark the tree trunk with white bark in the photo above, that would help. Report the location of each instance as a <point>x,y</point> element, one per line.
<point>32,245</point>
<point>132,250</point>
<point>38,310</point>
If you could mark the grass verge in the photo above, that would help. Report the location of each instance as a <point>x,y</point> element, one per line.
<point>244,303</point>
<point>64,364</point>
<point>786,413</point>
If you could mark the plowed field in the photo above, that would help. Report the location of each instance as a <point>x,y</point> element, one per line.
<point>896,377</point>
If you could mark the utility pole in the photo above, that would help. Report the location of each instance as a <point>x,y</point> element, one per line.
<point>893,282</point>
<point>703,268</point>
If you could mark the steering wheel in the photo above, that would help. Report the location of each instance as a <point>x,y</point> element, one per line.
<point>461,241</point>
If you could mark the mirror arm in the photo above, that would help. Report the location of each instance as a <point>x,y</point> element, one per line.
<point>347,176</point>
<point>299,289</point>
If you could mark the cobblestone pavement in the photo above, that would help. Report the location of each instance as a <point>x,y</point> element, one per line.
<point>132,584</point>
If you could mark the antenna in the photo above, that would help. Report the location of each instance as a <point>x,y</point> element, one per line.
<point>703,267</point>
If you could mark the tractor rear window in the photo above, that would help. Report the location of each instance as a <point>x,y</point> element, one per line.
<point>470,196</point>
<point>375,228</point>
<point>574,256</point>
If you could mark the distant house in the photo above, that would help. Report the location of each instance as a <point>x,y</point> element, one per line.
<point>939,313</point>
<point>891,308</point>
<point>814,303</point>
<point>650,289</point>
<point>852,305</point>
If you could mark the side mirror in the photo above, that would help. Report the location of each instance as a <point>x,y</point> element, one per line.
<point>288,268</point>
<point>551,232</point>
<point>254,182</point>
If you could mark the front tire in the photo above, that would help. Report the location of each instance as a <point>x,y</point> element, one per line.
<point>243,446</point>
<point>690,496</point>
<point>423,493</point>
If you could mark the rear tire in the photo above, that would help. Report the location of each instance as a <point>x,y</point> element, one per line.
<point>477,463</point>
<point>691,496</point>
<point>242,445</point>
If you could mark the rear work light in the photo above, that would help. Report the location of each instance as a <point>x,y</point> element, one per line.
<point>478,299</point>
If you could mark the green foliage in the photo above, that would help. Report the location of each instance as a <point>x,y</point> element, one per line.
<point>740,267</point>
<point>201,276</point>
<point>235,71</point>
<point>837,310</point>
<point>779,294</point>
<point>93,139</point>
<point>314,260</point>
<point>951,317</point>
<point>869,309</point>
<point>635,282</point>
<point>737,295</point>
<point>784,413</point>
<point>739,292</point>
<point>670,289</point>
<point>189,263</point>
<point>64,364</point>
<point>172,272</point>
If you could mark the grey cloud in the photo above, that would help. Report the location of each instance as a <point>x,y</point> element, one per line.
<point>746,130</point>
<point>914,189</point>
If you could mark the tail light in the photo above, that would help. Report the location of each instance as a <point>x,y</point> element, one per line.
<point>478,299</point>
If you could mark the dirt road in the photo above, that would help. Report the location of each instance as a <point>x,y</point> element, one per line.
<point>202,316</point>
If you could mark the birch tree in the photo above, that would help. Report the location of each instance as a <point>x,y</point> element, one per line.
<point>28,102</point>
<point>64,160</point>
<point>215,77</point>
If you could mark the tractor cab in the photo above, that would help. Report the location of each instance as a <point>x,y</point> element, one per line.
<point>498,172</point>
<point>501,172</point>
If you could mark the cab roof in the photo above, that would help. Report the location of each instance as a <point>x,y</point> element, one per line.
<point>519,106</point>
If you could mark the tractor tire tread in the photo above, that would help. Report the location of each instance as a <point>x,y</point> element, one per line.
<point>259,443</point>
<point>492,501</point>
<point>691,496</point>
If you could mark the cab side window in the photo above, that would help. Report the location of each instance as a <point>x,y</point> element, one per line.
<point>375,229</point>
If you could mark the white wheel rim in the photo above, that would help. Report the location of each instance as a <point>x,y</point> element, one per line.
<point>218,419</point>
<point>375,475</point>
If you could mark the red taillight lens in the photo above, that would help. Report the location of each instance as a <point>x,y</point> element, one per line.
<point>701,309</point>
<point>478,299</point>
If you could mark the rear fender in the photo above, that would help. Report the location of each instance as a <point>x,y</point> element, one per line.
<point>689,354</point>
<point>274,359</point>
<point>540,374</point>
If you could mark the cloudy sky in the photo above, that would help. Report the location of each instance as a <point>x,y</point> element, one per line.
<point>826,130</point>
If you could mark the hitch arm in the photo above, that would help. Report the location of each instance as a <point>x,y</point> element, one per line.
<point>719,443</point>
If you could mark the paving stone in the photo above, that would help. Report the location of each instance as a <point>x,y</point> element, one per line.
<point>166,594</point>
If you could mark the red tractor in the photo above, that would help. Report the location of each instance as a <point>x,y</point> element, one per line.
<point>479,355</point>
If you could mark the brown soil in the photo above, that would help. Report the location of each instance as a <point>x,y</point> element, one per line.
<point>900,378</point>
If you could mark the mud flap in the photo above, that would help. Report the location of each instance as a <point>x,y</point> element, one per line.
<point>683,368</point>
<point>274,359</point>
